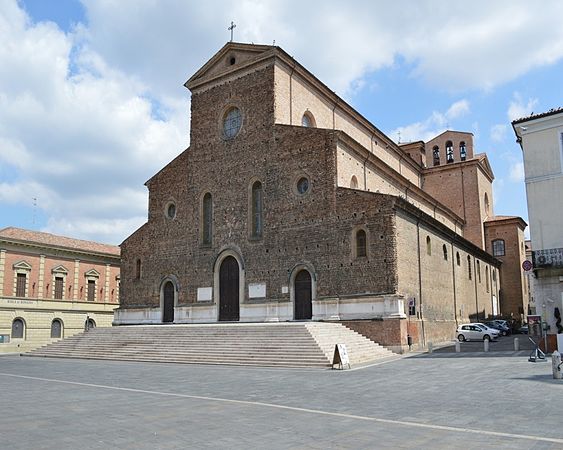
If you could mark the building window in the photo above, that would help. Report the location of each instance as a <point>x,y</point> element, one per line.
<point>469,266</point>
<point>56,329</point>
<point>308,120</point>
<point>18,329</point>
<point>207,224</point>
<point>449,152</point>
<point>428,246</point>
<point>412,307</point>
<point>478,271</point>
<point>232,122</point>
<point>171,210</point>
<point>436,155</point>
<point>59,287</point>
<point>487,277</point>
<point>487,205</point>
<point>361,243</point>
<point>498,247</point>
<point>302,185</point>
<point>445,251</point>
<point>91,290</point>
<point>89,324</point>
<point>354,182</point>
<point>462,151</point>
<point>458,259</point>
<point>21,284</point>
<point>257,213</point>
<point>138,269</point>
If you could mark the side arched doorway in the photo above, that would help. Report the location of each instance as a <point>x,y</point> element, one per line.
<point>229,290</point>
<point>168,302</point>
<point>303,296</point>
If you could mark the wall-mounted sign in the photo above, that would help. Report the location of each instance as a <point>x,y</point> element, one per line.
<point>549,257</point>
<point>527,265</point>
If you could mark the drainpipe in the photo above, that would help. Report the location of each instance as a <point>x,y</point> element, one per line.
<point>475,282</point>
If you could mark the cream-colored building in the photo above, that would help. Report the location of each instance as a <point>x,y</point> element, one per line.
<point>52,287</point>
<point>541,139</point>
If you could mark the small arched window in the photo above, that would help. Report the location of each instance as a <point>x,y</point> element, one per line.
<point>428,246</point>
<point>487,277</point>
<point>354,182</point>
<point>257,222</point>
<point>89,324</point>
<point>498,247</point>
<point>458,259</point>
<point>462,151</point>
<point>449,152</point>
<point>469,266</point>
<point>308,120</point>
<point>445,251</point>
<point>207,219</point>
<point>361,243</point>
<point>138,269</point>
<point>56,329</point>
<point>436,155</point>
<point>18,329</point>
<point>487,205</point>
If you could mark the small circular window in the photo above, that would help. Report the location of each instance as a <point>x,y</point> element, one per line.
<point>232,122</point>
<point>302,185</point>
<point>171,211</point>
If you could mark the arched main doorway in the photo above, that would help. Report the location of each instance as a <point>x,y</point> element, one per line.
<point>303,296</point>
<point>229,290</point>
<point>168,302</point>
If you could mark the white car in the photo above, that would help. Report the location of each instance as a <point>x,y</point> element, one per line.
<point>476,331</point>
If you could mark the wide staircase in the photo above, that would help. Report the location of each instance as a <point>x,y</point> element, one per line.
<point>308,344</point>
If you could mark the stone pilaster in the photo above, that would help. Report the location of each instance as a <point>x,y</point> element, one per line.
<point>106,288</point>
<point>2,265</point>
<point>76,285</point>
<point>41,276</point>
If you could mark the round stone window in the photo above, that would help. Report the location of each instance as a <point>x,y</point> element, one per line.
<point>302,185</point>
<point>232,122</point>
<point>171,210</point>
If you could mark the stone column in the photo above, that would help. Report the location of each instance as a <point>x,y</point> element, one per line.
<point>41,276</point>
<point>2,265</point>
<point>76,286</point>
<point>106,288</point>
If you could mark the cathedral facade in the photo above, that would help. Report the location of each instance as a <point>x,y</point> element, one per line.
<point>290,205</point>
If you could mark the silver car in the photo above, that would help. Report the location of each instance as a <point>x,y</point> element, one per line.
<point>476,332</point>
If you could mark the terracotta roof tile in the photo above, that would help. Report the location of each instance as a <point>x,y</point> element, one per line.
<point>537,116</point>
<point>39,237</point>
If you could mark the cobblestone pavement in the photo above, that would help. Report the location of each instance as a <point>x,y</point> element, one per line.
<point>415,402</point>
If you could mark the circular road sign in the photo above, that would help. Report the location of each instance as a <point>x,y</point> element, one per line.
<point>527,265</point>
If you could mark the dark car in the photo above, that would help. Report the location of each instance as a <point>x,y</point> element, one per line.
<point>504,331</point>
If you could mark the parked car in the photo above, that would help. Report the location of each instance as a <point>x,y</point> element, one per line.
<point>497,326</point>
<point>476,331</point>
<point>523,329</point>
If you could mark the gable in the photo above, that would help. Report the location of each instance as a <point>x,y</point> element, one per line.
<point>232,57</point>
<point>22,265</point>
<point>92,273</point>
<point>60,269</point>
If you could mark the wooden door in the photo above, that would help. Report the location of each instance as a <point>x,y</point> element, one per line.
<point>168,302</point>
<point>303,296</point>
<point>229,290</point>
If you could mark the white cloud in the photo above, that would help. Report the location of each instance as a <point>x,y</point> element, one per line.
<point>517,172</point>
<point>432,126</point>
<point>498,132</point>
<point>519,107</point>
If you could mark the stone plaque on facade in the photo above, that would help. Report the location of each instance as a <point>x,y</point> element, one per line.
<point>204,294</point>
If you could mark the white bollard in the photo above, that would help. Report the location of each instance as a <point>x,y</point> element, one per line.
<point>457,347</point>
<point>486,345</point>
<point>516,344</point>
<point>556,365</point>
<point>430,347</point>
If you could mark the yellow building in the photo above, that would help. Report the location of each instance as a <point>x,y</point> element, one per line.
<point>53,287</point>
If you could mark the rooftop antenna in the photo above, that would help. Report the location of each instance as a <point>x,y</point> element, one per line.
<point>274,43</point>
<point>231,29</point>
<point>399,140</point>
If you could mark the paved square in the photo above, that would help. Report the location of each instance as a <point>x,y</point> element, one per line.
<point>459,401</point>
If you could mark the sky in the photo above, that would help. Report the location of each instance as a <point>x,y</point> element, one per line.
<point>92,101</point>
